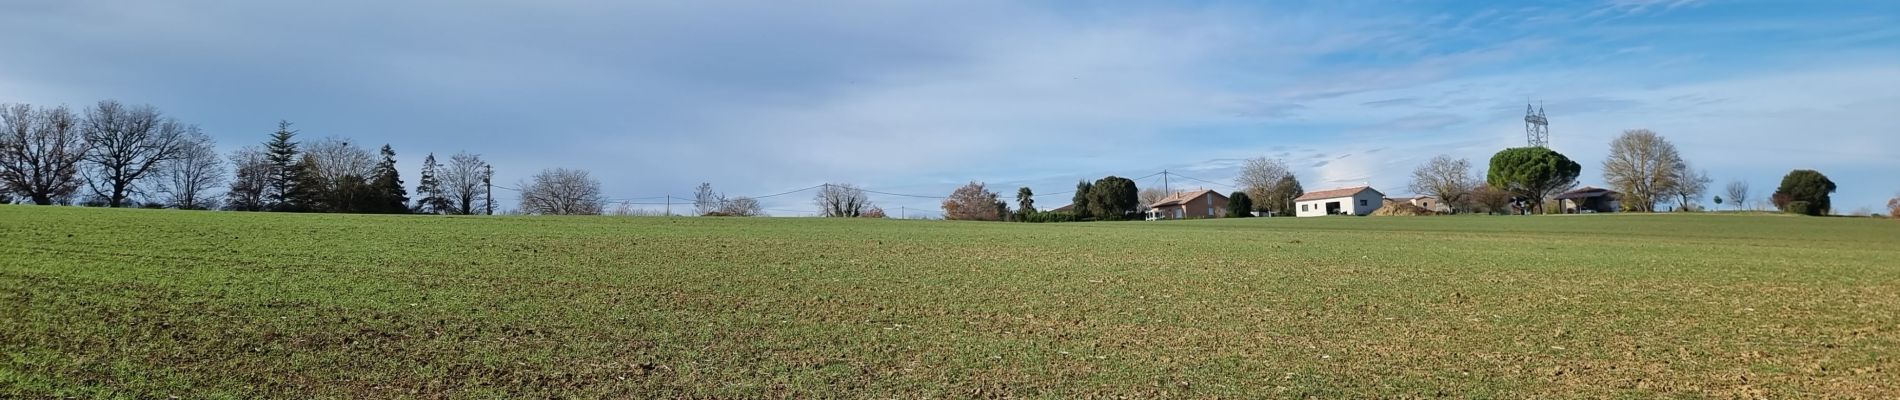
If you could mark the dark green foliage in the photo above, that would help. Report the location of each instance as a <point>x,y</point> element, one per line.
<point>1239,205</point>
<point>282,154</point>
<point>1114,198</point>
<point>1801,207</point>
<point>388,193</point>
<point>1050,216</point>
<point>1805,186</point>
<point>1025,200</point>
<point>1532,173</point>
<point>306,190</point>
<point>1081,200</point>
<point>1279,200</point>
<point>430,188</point>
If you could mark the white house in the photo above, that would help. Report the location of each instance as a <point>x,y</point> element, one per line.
<point>1361,200</point>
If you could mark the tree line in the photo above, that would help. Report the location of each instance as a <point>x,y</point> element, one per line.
<point>1643,166</point>
<point>114,155</point>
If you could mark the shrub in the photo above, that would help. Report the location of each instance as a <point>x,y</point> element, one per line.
<point>1050,216</point>
<point>1802,207</point>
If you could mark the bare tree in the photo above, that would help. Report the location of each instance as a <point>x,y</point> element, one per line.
<point>40,152</point>
<point>973,202</point>
<point>1893,207</point>
<point>741,207</point>
<point>185,181</point>
<point>561,191</point>
<point>1491,200</point>
<point>1260,178</point>
<point>842,200</point>
<point>1643,166</point>
<point>1690,185</point>
<point>125,144</point>
<point>339,157</point>
<point>1150,196</point>
<point>1447,178</point>
<point>706,201</point>
<point>461,181</point>
<point>1737,192</point>
<point>251,181</point>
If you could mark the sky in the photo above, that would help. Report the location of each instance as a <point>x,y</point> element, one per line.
<point>762,97</point>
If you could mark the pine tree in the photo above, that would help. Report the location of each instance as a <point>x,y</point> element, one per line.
<point>389,194</point>
<point>430,189</point>
<point>282,154</point>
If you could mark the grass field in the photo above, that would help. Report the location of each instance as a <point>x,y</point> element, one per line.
<point>152,303</point>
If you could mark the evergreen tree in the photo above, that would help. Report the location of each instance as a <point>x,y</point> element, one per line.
<point>1114,198</point>
<point>306,189</point>
<point>281,152</point>
<point>429,187</point>
<point>1080,203</point>
<point>1239,205</point>
<point>389,194</point>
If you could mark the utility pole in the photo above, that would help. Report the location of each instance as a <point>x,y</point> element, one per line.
<point>1164,183</point>
<point>669,206</point>
<point>903,212</point>
<point>488,179</point>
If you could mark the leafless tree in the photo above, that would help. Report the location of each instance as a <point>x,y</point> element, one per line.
<point>40,152</point>
<point>125,144</point>
<point>1260,178</point>
<point>1737,192</point>
<point>185,182</point>
<point>1643,166</point>
<point>741,207</point>
<point>842,200</point>
<point>1491,200</point>
<point>339,157</point>
<point>250,184</point>
<point>1893,207</point>
<point>1690,185</point>
<point>973,202</point>
<point>561,191</point>
<point>1447,178</point>
<point>706,201</point>
<point>462,179</point>
<point>1150,196</point>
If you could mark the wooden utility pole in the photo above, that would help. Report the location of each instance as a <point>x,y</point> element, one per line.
<point>488,179</point>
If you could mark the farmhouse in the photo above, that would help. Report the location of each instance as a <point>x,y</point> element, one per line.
<point>1195,204</point>
<point>1590,200</point>
<point>1360,200</point>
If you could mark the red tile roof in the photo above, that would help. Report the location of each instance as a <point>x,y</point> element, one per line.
<point>1181,198</point>
<point>1334,193</point>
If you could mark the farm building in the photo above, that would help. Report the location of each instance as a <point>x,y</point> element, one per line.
<point>1195,204</point>
<point>1590,200</point>
<point>1427,202</point>
<point>1360,200</point>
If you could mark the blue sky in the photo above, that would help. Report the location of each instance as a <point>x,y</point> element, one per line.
<point>920,97</point>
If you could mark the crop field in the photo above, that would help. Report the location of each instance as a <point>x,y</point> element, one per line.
<point>103,303</point>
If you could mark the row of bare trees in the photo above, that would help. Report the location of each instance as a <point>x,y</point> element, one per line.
<point>1645,167</point>
<point>114,151</point>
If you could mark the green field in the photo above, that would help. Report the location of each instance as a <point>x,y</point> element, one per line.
<point>154,303</point>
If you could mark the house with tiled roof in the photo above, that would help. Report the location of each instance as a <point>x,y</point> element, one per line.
<point>1196,204</point>
<point>1359,200</point>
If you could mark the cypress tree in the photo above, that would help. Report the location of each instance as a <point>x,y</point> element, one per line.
<point>1081,200</point>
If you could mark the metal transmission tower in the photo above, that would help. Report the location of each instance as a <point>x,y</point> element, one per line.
<point>1536,126</point>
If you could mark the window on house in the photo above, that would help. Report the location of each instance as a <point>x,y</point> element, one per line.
<point>1362,202</point>
<point>1303,207</point>
<point>1210,211</point>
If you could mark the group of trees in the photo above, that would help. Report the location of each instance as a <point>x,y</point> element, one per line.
<point>707,202</point>
<point>116,152</point>
<point>1643,166</point>
<point>843,200</point>
<point>117,155</point>
<point>974,202</point>
<point>1269,185</point>
<point>1111,198</point>
<point>1648,170</point>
